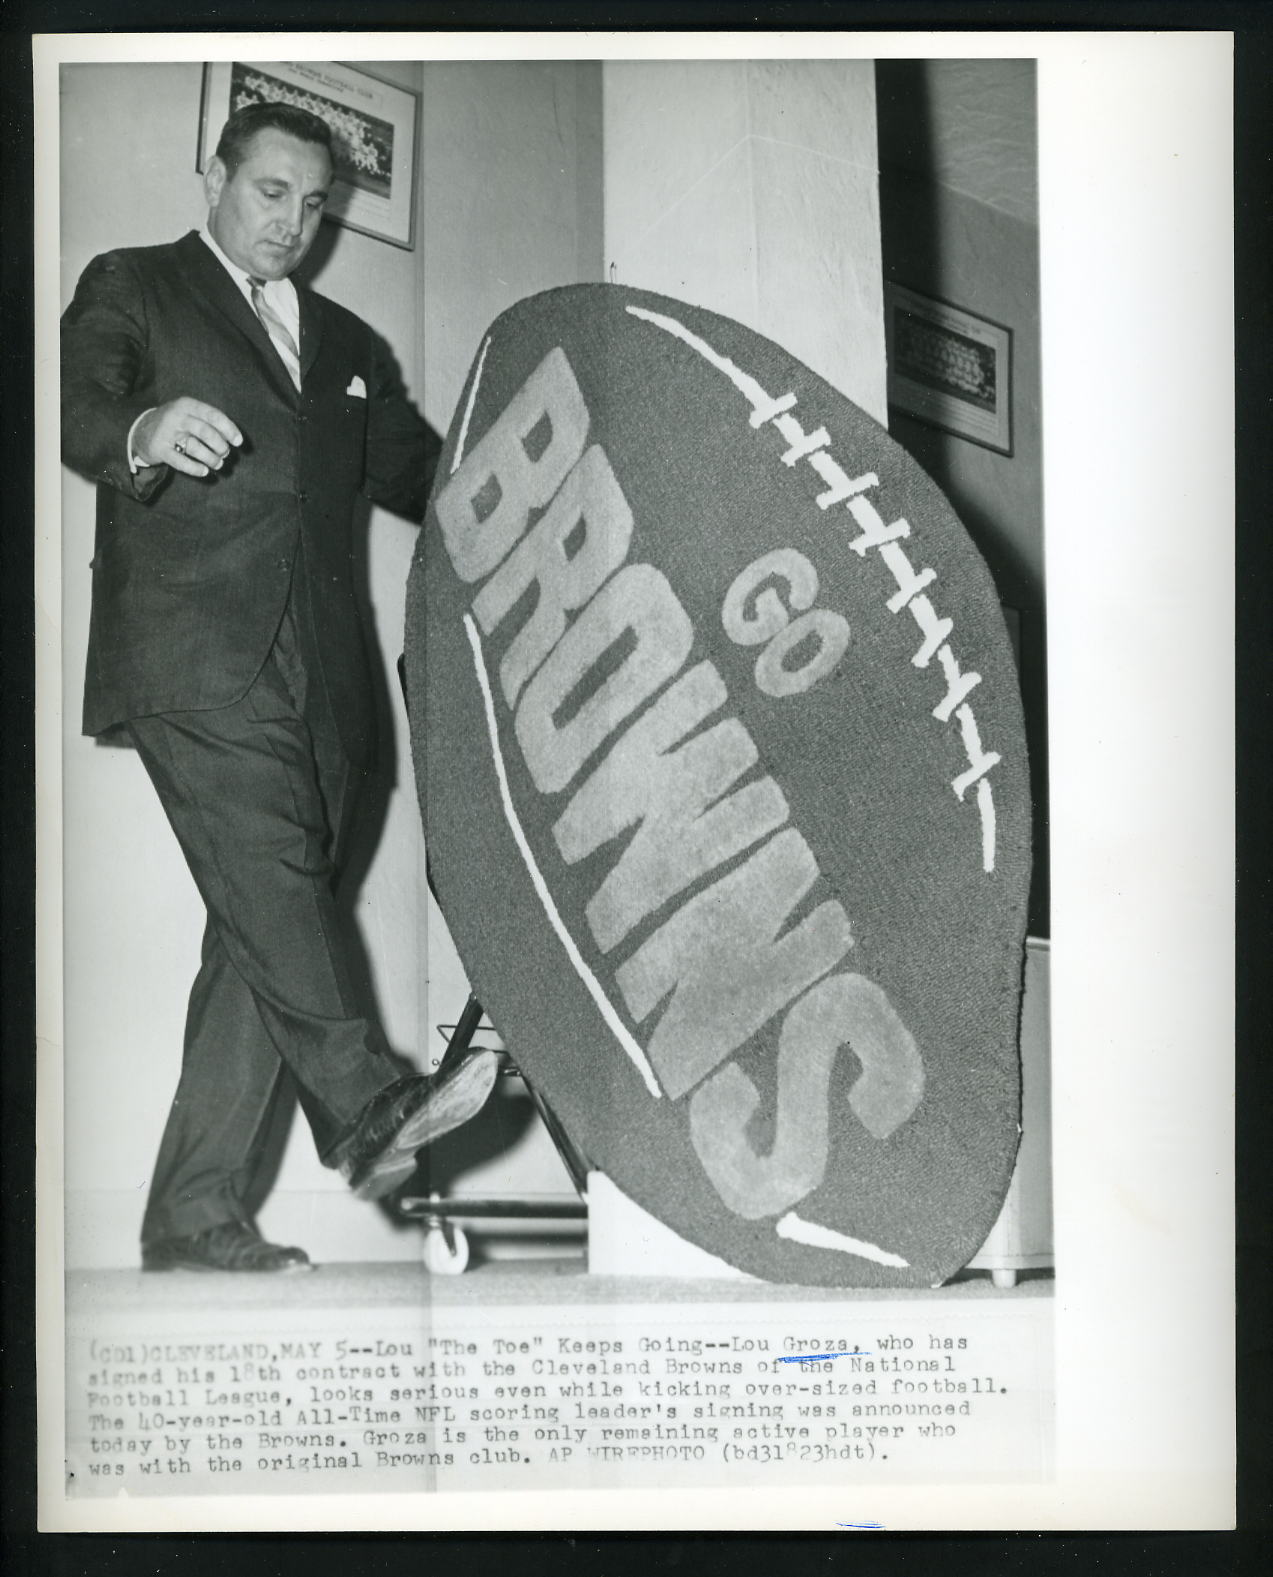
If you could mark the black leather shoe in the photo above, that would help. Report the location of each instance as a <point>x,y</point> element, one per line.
<point>380,1149</point>
<point>230,1245</point>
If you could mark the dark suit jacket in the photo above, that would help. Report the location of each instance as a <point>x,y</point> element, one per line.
<point>191,575</point>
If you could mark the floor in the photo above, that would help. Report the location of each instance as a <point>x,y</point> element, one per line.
<point>509,1282</point>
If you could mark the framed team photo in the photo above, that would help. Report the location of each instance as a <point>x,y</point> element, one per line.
<point>949,367</point>
<point>373,125</point>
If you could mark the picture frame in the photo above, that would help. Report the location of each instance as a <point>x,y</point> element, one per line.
<point>374,125</point>
<point>949,367</point>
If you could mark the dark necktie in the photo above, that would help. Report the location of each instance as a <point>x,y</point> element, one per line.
<point>277,330</point>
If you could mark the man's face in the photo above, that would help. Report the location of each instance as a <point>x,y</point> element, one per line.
<point>265,216</point>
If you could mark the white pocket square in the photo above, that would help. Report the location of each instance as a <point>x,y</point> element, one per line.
<point>357,388</point>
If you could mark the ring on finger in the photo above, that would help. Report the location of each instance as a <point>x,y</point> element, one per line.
<point>179,445</point>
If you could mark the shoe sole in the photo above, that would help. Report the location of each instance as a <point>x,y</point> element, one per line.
<point>461,1097</point>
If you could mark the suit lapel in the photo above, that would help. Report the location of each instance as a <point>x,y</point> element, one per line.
<point>311,328</point>
<point>205,274</point>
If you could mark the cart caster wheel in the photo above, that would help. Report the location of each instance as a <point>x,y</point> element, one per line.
<point>445,1250</point>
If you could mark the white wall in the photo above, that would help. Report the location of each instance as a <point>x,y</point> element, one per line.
<point>751,188</point>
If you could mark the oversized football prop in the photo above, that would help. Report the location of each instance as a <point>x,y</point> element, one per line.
<point>719,742</point>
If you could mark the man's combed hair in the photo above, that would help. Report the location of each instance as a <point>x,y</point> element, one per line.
<point>243,125</point>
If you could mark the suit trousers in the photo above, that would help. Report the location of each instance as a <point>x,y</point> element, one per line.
<point>260,796</point>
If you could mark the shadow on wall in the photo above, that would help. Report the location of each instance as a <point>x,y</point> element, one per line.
<point>959,222</point>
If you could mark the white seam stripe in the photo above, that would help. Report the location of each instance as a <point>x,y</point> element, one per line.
<point>613,1022</point>
<point>746,385</point>
<point>800,1231</point>
<point>468,408</point>
<point>986,806</point>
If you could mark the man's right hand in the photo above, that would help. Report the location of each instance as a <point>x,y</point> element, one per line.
<point>186,434</point>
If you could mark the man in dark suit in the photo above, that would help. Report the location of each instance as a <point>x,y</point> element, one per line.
<point>230,420</point>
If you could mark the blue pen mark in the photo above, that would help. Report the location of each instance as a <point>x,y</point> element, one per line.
<point>817,1357</point>
<point>859,1525</point>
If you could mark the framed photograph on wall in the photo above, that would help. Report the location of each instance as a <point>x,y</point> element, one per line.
<point>948,367</point>
<point>373,127</point>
